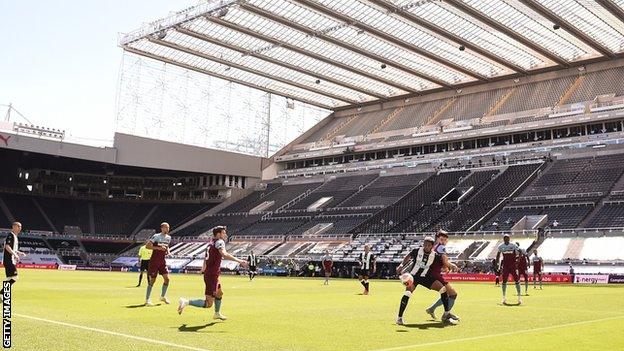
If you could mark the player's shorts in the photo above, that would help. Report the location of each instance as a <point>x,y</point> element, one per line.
<point>510,270</point>
<point>439,277</point>
<point>253,268</point>
<point>364,272</point>
<point>9,269</point>
<point>426,281</point>
<point>523,270</point>
<point>212,284</point>
<point>537,271</point>
<point>327,267</point>
<point>144,265</point>
<point>155,268</point>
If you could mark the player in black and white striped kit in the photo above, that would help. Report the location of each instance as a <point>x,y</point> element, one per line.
<point>422,263</point>
<point>253,261</point>
<point>11,254</point>
<point>368,267</point>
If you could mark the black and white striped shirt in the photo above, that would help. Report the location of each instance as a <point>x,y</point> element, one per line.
<point>422,262</point>
<point>252,260</point>
<point>367,260</point>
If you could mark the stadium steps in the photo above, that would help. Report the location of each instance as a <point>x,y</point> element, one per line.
<point>570,91</point>
<point>6,212</point>
<point>362,227</point>
<point>143,221</point>
<point>498,104</point>
<point>574,248</point>
<point>91,217</point>
<point>362,187</point>
<point>45,216</point>
<point>300,197</point>
<point>506,200</point>
<point>237,194</point>
<point>338,128</point>
<point>587,219</point>
<point>440,112</point>
<point>387,120</point>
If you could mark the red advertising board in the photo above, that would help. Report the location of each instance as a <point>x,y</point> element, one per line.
<point>35,266</point>
<point>465,277</point>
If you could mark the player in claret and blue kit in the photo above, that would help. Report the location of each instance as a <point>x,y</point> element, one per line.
<point>159,244</point>
<point>509,251</point>
<point>211,271</point>
<point>523,267</point>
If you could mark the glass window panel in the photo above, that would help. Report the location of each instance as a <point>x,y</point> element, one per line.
<point>592,19</point>
<point>234,73</point>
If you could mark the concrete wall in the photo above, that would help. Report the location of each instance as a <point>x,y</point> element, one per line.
<point>142,152</point>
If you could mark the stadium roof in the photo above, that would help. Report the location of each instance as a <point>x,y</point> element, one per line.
<point>341,53</point>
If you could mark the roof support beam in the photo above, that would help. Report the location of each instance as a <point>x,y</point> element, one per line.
<point>220,76</point>
<point>304,52</point>
<point>204,37</point>
<point>553,17</point>
<point>446,34</point>
<point>614,9</point>
<point>389,38</point>
<point>261,12</point>
<point>250,70</point>
<point>460,5</point>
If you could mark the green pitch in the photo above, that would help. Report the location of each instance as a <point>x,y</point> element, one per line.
<point>57,310</point>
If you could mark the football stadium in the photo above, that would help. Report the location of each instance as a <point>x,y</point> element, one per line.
<point>321,175</point>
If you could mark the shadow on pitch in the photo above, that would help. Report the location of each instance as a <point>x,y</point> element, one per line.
<point>142,305</point>
<point>507,304</point>
<point>195,328</point>
<point>425,326</point>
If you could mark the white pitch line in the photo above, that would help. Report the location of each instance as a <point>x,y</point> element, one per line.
<point>103,331</point>
<point>499,334</point>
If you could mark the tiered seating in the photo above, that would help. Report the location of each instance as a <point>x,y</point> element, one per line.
<point>599,83</point>
<point>251,200</point>
<point>385,190</point>
<point>234,224</point>
<point>275,226</point>
<point>609,215</point>
<point>480,204</point>
<point>565,215</point>
<point>23,209</point>
<point>106,247</point>
<point>536,95</point>
<point>283,195</point>
<point>472,106</point>
<point>386,248</point>
<point>337,189</point>
<point>175,214</point>
<point>413,116</point>
<point>119,218</point>
<point>364,123</point>
<point>580,175</point>
<point>427,192</point>
<point>65,212</point>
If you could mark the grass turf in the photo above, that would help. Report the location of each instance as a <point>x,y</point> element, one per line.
<point>302,314</point>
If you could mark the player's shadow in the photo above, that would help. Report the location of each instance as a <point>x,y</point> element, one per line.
<point>507,304</point>
<point>140,305</point>
<point>195,328</point>
<point>425,326</point>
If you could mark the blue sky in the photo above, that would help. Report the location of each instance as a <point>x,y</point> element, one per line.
<point>59,60</point>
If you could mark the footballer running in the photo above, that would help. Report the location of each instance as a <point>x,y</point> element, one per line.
<point>213,294</point>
